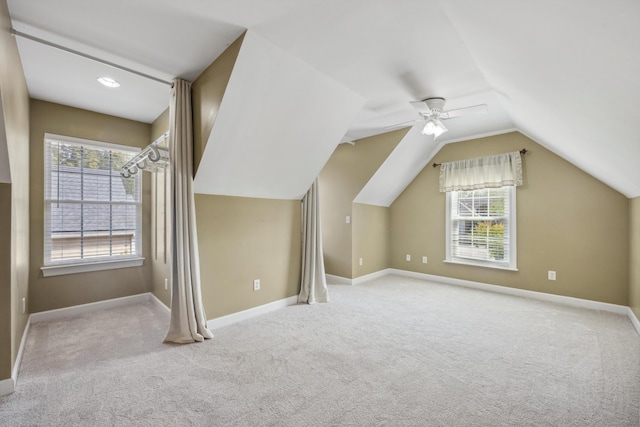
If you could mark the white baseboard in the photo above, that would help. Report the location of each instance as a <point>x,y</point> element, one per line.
<point>634,320</point>
<point>62,313</point>
<point>338,280</point>
<point>371,276</point>
<point>541,296</point>
<point>229,319</point>
<point>23,343</point>
<point>154,299</point>
<point>7,386</point>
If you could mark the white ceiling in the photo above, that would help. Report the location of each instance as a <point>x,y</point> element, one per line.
<point>564,73</point>
<point>300,116</point>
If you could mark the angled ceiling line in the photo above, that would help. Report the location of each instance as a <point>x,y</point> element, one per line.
<point>87,56</point>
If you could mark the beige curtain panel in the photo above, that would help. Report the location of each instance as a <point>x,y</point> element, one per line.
<point>188,320</point>
<point>501,170</point>
<point>313,287</point>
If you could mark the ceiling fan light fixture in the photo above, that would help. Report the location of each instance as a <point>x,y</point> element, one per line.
<point>435,127</point>
<point>440,129</point>
<point>108,82</point>
<point>429,127</point>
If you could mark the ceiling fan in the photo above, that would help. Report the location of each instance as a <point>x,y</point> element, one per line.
<point>432,111</point>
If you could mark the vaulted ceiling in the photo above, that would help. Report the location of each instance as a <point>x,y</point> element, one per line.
<point>564,73</point>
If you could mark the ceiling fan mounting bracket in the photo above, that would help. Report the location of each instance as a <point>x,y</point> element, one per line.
<point>435,103</point>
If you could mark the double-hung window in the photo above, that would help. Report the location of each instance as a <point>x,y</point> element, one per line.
<point>481,227</point>
<point>92,215</point>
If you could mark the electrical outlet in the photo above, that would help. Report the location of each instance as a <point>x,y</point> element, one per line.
<point>424,259</point>
<point>166,284</point>
<point>360,261</point>
<point>348,219</point>
<point>551,275</point>
<point>408,257</point>
<point>256,285</point>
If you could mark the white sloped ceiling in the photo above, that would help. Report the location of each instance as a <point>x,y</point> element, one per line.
<point>565,74</point>
<point>279,122</point>
<point>570,72</point>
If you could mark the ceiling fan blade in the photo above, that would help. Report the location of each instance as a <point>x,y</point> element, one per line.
<point>482,108</point>
<point>421,107</point>
<point>403,124</point>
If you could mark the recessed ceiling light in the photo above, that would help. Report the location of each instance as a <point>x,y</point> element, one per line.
<point>108,82</point>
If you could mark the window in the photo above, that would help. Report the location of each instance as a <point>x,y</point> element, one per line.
<point>92,213</point>
<point>481,227</point>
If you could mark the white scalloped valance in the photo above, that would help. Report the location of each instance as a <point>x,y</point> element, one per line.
<point>501,170</point>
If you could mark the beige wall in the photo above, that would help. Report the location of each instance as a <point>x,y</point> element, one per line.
<point>160,125</point>
<point>73,289</point>
<point>242,239</point>
<point>14,284</point>
<point>6,305</point>
<point>567,221</point>
<point>345,174</point>
<point>371,239</point>
<point>207,93</point>
<point>634,256</point>
<point>159,257</point>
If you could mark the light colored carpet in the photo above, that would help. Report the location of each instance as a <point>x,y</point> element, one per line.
<point>391,352</point>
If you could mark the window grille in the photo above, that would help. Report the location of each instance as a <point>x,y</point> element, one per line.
<point>481,227</point>
<point>92,213</point>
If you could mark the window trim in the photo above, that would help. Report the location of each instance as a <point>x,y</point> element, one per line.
<point>511,264</point>
<point>91,264</point>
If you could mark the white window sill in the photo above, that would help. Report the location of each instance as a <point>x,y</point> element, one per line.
<point>59,270</point>
<point>479,264</point>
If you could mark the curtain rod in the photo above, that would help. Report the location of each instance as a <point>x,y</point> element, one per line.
<point>161,137</point>
<point>84,55</point>
<point>523,152</point>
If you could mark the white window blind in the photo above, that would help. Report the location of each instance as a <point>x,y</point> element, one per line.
<point>481,227</point>
<point>92,213</point>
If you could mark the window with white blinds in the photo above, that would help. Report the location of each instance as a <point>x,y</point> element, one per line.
<point>481,227</point>
<point>92,213</point>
